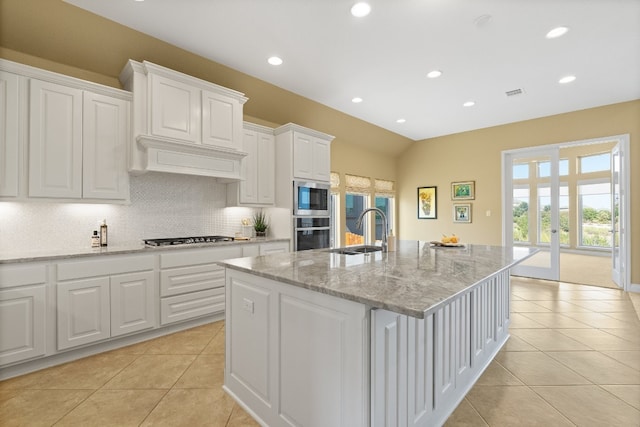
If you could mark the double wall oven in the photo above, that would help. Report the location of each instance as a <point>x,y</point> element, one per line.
<point>311,215</point>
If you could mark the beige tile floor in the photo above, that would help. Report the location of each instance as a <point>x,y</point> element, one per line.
<point>573,359</point>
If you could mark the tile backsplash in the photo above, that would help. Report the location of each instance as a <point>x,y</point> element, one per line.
<point>162,205</point>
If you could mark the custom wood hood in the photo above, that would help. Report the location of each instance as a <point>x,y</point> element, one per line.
<point>182,124</point>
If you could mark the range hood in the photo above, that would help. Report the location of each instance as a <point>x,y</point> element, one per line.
<point>182,124</point>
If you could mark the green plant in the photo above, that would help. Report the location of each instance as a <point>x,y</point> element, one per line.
<point>260,223</point>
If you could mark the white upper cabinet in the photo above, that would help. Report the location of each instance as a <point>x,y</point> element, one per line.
<point>182,124</point>
<point>306,153</point>
<point>175,109</point>
<point>221,120</point>
<point>258,169</point>
<point>55,140</point>
<point>9,146</point>
<point>62,138</point>
<point>105,134</point>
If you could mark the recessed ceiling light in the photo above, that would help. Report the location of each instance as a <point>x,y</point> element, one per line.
<point>401,120</point>
<point>469,104</point>
<point>360,9</point>
<point>566,79</point>
<point>356,100</point>
<point>274,60</point>
<point>557,32</point>
<point>434,74</point>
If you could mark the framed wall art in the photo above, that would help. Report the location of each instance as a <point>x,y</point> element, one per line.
<point>462,212</point>
<point>427,203</point>
<point>464,190</point>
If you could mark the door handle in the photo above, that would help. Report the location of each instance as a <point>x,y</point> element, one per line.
<point>554,231</point>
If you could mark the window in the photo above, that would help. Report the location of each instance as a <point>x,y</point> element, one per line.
<point>384,200</point>
<point>357,189</point>
<point>595,163</point>
<point>335,209</point>
<point>355,204</point>
<point>594,213</point>
<point>544,214</point>
<point>544,168</point>
<point>521,214</point>
<point>520,170</point>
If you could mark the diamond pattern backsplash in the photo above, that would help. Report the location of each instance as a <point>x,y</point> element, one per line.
<point>162,205</point>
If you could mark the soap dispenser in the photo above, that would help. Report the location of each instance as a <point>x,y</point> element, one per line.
<point>103,233</point>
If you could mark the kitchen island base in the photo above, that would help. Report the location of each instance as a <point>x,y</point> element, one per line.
<point>297,357</point>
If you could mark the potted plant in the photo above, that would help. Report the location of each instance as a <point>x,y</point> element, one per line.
<point>260,224</point>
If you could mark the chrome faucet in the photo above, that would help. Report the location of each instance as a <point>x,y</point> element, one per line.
<point>384,224</point>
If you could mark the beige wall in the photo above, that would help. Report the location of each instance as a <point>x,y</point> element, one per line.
<point>476,156</point>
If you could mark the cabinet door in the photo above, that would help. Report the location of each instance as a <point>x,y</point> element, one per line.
<point>105,135</point>
<point>321,160</point>
<point>83,312</point>
<point>266,169</point>
<point>175,109</point>
<point>55,140</point>
<point>132,302</point>
<point>302,156</point>
<point>249,187</point>
<point>221,121</point>
<point>22,323</point>
<point>274,248</point>
<point>9,143</point>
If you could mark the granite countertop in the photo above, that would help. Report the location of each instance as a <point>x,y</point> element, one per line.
<point>132,248</point>
<point>414,280</point>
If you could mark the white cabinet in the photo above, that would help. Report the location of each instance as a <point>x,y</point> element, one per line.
<point>274,248</point>
<point>22,312</point>
<point>258,169</point>
<point>102,298</point>
<point>191,284</point>
<point>77,143</point>
<point>55,140</point>
<point>61,137</point>
<point>281,339</point>
<point>301,154</point>
<point>311,157</point>
<point>182,124</point>
<point>9,144</point>
<point>105,135</point>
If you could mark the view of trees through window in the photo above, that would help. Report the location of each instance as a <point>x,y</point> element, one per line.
<point>591,199</point>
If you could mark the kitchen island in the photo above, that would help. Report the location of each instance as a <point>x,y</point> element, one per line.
<point>317,338</point>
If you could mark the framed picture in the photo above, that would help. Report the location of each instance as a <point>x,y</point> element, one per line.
<point>427,208</point>
<point>462,212</point>
<point>465,190</point>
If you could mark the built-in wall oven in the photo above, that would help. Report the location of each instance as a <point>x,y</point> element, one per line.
<point>311,199</point>
<point>311,232</point>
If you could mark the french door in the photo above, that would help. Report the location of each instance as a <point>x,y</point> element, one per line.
<point>616,210</point>
<point>531,213</point>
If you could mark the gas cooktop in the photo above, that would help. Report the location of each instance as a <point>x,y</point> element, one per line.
<point>187,240</point>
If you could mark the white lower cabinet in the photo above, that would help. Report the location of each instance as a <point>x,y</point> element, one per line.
<point>274,248</point>
<point>295,357</point>
<point>99,299</point>
<point>191,284</point>
<point>22,312</point>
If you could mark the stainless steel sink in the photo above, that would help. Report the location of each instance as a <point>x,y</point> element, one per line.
<point>355,250</point>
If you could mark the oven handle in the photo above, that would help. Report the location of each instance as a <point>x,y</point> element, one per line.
<point>312,228</point>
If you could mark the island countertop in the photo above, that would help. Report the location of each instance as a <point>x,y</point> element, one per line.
<point>414,280</point>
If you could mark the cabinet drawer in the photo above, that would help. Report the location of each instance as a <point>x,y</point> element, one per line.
<point>104,266</point>
<point>185,257</point>
<point>188,306</point>
<point>176,281</point>
<point>22,275</point>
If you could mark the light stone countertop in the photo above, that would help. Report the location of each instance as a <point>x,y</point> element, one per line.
<point>38,255</point>
<point>414,280</point>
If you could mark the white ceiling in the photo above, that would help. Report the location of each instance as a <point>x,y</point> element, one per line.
<point>331,57</point>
